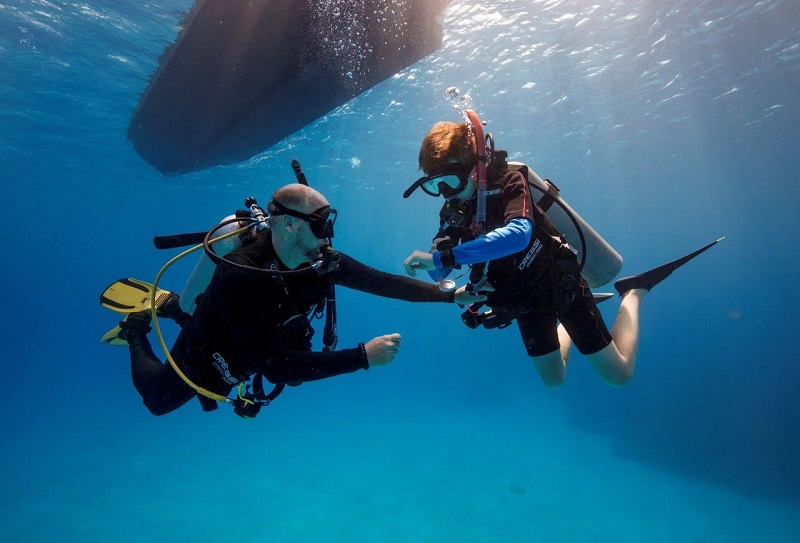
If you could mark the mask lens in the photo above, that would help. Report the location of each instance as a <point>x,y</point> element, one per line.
<point>450,185</point>
<point>447,185</point>
<point>321,223</point>
<point>450,180</point>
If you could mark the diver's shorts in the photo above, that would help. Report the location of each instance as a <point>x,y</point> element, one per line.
<point>582,320</point>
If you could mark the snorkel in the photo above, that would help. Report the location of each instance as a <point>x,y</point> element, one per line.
<point>480,143</point>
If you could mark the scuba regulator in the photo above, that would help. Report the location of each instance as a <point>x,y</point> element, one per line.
<point>491,319</point>
<point>248,404</point>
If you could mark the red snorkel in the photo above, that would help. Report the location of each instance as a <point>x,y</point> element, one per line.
<point>480,143</point>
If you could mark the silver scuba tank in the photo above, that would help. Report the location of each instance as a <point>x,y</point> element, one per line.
<point>204,269</point>
<point>601,263</point>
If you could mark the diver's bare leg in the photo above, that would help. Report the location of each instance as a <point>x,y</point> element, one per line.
<point>615,363</point>
<point>552,367</point>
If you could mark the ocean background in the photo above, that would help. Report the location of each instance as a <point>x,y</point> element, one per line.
<point>665,124</point>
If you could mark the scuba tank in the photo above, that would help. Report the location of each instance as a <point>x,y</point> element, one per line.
<point>204,269</point>
<point>599,261</point>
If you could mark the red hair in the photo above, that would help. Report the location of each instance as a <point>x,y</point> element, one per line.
<point>445,142</point>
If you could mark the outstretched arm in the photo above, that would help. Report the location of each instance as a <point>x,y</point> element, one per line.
<point>356,275</point>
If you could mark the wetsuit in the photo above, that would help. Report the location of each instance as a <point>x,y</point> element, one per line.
<point>537,281</point>
<point>247,323</point>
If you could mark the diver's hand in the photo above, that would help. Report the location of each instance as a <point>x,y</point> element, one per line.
<point>418,260</point>
<point>465,297</point>
<point>382,349</point>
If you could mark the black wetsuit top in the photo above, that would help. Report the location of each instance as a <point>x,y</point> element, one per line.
<point>540,284</point>
<point>516,275</point>
<point>247,323</point>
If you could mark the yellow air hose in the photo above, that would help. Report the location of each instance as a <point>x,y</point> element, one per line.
<point>157,327</point>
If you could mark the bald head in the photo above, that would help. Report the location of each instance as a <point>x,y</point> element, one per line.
<point>294,238</point>
<point>300,198</point>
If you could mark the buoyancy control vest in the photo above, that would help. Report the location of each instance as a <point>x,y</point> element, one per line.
<point>558,231</point>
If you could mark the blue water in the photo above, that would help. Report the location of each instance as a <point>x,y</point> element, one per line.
<point>665,124</point>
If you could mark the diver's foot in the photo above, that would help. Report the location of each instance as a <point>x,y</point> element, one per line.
<point>170,308</point>
<point>649,279</point>
<point>134,324</point>
<point>112,337</point>
<point>646,280</point>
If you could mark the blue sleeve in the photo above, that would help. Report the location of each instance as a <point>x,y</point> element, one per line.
<point>439,273</point>
<point>500,242</point>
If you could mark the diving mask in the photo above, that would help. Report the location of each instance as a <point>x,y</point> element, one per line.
<point>321,221</point>
<point>451,180</point>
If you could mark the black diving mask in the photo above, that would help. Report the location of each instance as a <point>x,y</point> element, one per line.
<point>450,181</point>
<point>321,221</point>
